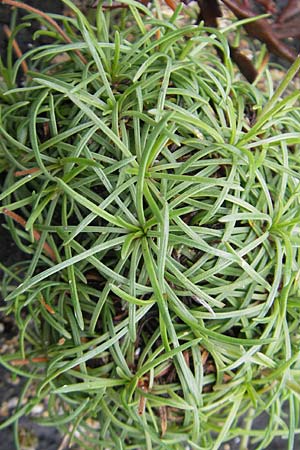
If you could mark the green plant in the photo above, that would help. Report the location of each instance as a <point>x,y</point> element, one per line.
<point>158,196</point>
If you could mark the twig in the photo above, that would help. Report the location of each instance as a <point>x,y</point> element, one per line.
<point>244,64</point>
<point>209,12</point>
<point>172,4</point>
<point>26,361</point>
<point>143,385</point>
<point>116,6</point>
<point>36,234</point>
<point>262,30</point>
<point>164,419</point>
<point>289,11</point>
<point>20,173</point>
<point>16,48</point>
<point>65,441</point>
<point>49,19</point>
<point>269,5</point>
<point>46,306</point>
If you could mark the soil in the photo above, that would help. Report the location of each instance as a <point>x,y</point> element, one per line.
<point>33,435</point>
<point>41,438</point>
<point>25,35</point>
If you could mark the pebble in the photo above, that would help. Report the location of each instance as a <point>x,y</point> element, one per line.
<point>37,409</point>
<point>12,402</point>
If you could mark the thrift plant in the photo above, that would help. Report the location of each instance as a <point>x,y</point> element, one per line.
<point>156,194</point>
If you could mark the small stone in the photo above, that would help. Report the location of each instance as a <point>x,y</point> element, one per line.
<point>12,402</point>
<point>37,409</point>
<point>4,410</point>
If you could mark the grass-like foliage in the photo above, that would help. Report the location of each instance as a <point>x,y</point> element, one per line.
<point>157,195</point>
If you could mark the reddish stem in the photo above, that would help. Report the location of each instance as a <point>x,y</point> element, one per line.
<point>16,48</point>
<point>49,19</point>
<point>46,306</point>
<point>262,30</point>
<point>172,4</point>
<point>20,173</point>
<point>291,10</point>
<point>36,234</point>
<point>26,361</point>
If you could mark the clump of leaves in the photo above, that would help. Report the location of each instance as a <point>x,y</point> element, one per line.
<point>157,195</point>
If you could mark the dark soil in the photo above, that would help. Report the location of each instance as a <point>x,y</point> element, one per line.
<point>10,386</point>
<point>25,35</point>
<point>41,438</point>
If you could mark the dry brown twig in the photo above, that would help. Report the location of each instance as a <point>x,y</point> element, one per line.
<point>27,361</point>
<point>261,29</point>
<point>21,173</point>
<point>16,48</point>
<point>17,218</point>
<point>49,19</point>
<point>265,30</point>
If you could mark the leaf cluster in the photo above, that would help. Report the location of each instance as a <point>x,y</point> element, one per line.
<point>157,196</point>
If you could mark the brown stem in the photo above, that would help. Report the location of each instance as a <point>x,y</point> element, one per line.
<point>46,306</point>
<point>269,5</point>
<point>20,173</point>
<point>262,30</point>
<point>36,234</point>
<point>142,402</point>
<point>163,419</point>
<point>26,361</point>
<point>49,19</point>
<point>116,6</point>
<point>64,443</point>
<point>16,48</point>
<point>288,30</point>
<point>172,4</point>
<point>289,11</point>
<point>209,12</point>
<point>244,64</point>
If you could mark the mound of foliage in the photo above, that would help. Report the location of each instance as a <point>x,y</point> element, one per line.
<point>157,196</point>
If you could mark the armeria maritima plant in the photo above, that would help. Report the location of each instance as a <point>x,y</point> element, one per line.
<point>156,194</point>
